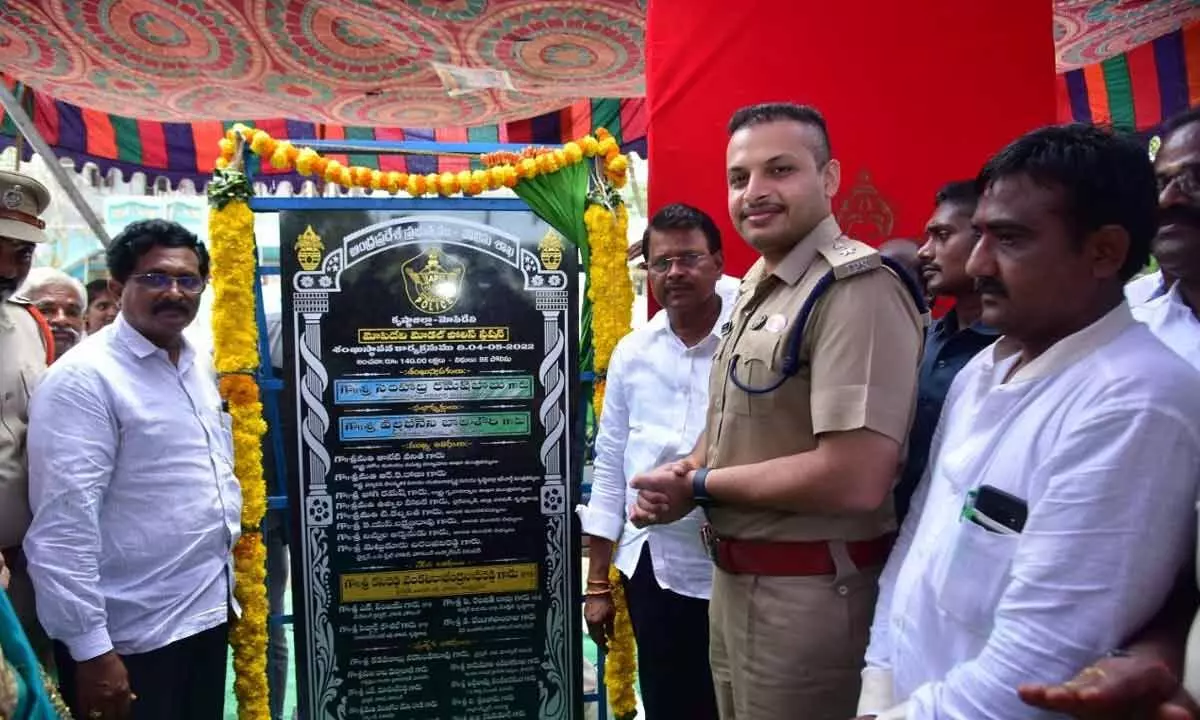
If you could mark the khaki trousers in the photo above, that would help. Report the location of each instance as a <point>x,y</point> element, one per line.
<point>790,648</point>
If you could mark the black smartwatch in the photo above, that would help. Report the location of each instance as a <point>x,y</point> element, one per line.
<point>699,488</point>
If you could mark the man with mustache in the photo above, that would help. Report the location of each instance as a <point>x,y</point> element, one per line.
<point>654,405</point>
<point>1025,555</point>
<point>806,421</point>
<point>26,348</point>
<point>135,505</point>
<point>60,298</point>
<point>1144,678</point>
<point>953,339</point>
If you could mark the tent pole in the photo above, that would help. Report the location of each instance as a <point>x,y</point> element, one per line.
<point>21,119</point>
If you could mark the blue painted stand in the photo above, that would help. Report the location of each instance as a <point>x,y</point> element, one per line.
<point>271,386</point>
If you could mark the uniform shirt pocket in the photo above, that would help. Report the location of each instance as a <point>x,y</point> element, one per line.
<point>758,367</point>
<point>975,575</point>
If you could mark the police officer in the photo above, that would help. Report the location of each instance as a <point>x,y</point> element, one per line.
<point>26,347</point>
<point>806,424</point>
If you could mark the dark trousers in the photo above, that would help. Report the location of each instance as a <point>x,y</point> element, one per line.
<point>182,681</point>
<point>672,648</point>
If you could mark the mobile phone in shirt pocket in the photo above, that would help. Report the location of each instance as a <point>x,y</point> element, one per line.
<point>976,574</point>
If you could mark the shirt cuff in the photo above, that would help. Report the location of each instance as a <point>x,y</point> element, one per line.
<point>599,523</point>
<point>877,694</point>
<point>900,712</point>
<point>90,645</point>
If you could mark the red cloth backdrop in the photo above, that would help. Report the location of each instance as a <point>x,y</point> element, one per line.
<point>916,94</point>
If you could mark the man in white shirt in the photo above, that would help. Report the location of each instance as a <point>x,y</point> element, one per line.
<point>135,505</point>
<point>654,410</point>
<point>1026,555</point>
<point>1146,675</point>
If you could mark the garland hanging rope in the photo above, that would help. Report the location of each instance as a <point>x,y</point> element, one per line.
<point>231,229</point>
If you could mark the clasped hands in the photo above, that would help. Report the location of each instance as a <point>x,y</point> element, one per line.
<point>664,494</point>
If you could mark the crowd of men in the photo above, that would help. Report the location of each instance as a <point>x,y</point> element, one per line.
<point>1038,446</point>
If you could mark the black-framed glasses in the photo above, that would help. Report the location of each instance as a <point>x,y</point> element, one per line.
<point>190,284</point>
<point>686,260</point>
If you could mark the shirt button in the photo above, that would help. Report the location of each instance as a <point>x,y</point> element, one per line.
<point>843,590</point>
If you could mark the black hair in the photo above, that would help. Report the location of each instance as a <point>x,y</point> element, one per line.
<point>137,239</point>
<point>961,193</point>
<point>1178,122</point>
<point>95,289</point>
<point>1106,179</point>
<point>678,216</point>
<point>752,115</point>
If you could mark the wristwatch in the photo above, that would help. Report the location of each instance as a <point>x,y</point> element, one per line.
<point>699,488</point>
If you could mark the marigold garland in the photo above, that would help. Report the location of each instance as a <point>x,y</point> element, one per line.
<point>620,664</point>
<point>503,169</point>
<point>609,286</point>
<point>235,332</point>
<point>611,291</point>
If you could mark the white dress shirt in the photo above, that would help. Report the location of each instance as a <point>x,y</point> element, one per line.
<point>1144,289</point>
<point>1100,435</point>
<point>1172,321</point>
<point>135,505</point>
<point>654,411</point>
<point>1169,317</point>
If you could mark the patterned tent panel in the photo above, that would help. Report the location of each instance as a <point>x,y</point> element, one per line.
<point>180,151</point>
<point>386,63</point>
<point>1139,89</point>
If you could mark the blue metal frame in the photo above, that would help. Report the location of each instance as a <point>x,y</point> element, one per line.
<point>270,385</point>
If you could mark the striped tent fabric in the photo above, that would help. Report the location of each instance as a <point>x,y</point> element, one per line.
<point>179,151</point>
<point>1138,90</point>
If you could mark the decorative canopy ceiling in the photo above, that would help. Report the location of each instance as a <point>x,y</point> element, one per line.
<point>394,63</point>
<point>1088,31</point>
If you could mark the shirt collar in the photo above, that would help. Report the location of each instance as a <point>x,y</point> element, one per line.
<point>136,343</point>
<point>798,259</point>
<point>727,290</point>
<point>942,328</point>
<point>1069,350</point>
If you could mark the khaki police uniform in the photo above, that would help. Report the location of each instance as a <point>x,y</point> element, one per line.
<point>23,354</point>
<point>792,646</point>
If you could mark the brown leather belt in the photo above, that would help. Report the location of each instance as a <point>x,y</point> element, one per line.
<point>798,558</point>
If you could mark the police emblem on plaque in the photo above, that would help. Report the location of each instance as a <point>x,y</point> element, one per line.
<point>433,281</point>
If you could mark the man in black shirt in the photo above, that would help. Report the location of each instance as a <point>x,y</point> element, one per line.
<point>956,337</point>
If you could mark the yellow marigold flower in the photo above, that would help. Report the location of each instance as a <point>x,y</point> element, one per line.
<point>305,161</point>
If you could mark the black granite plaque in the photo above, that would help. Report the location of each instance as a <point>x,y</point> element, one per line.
<point>435,557</point>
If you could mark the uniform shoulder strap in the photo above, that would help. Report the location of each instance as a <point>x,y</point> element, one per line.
<point>43,330</point>
<point>849,257</point>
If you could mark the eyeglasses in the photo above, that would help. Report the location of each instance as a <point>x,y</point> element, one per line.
<point>191,284</point>
<point>686,260</point>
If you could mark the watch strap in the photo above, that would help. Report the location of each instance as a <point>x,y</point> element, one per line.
<point>699,487</point>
